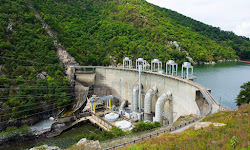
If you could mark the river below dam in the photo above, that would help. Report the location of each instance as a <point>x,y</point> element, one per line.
<point>65,140</point>
<point>224,79</point>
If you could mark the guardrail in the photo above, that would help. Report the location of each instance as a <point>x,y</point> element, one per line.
<point>127,119</point>
<point>148,136</point>
<point>102,121</point>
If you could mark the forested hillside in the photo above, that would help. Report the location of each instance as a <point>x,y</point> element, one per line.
<point>31,78</point>
<point>240,44</point>
<point>95,32</point>
<point>99,32</point>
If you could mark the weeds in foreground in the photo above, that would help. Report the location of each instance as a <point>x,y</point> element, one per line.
<point>235,135</point>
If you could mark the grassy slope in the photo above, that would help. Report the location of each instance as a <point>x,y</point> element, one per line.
<point>234,135</point>
<point>94,30</point>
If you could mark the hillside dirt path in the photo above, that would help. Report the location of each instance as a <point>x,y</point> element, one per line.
<point>61,51</point>
<point>65,58</point>
<point>186,127</point>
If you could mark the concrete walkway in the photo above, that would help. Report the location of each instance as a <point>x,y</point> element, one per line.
<point>185,127</point>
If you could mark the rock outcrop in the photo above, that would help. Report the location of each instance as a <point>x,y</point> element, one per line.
<point>45,147</point>
<point>88,144</point>
<point>201,125</point>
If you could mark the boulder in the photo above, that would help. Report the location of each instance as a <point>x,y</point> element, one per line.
<point>219,124</point>
<point>200,125</point>
<point>45,147</point>
<point>93,145</point>
<point>81,142</point>
<point>88,144</point>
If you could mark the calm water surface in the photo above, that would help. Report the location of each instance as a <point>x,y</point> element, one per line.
<point>64,140</point>
<point>224,79</point>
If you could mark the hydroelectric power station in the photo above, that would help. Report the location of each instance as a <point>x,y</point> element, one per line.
<point>143,93</point>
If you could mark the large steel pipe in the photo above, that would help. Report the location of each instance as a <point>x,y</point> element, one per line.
<point>122,107</point>
<point>135,98</point>
<point>148,100</point>
<point>159,105</point>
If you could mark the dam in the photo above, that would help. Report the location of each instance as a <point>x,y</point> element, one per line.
<point>164,96</point>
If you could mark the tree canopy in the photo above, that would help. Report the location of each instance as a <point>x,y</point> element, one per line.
<point>244,95</point>
<point>99,32</point>
<point>31,78</point>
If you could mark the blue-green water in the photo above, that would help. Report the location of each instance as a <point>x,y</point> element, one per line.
<point>224,79</point>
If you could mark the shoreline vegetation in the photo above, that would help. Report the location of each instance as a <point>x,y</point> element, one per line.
<point>213,62</point>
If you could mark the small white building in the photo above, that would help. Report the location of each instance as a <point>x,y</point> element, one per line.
<point>127,63</point>
<point>187,70</point>
<point>156,65</point>
<point>141,61</point>
<point>171,68</point>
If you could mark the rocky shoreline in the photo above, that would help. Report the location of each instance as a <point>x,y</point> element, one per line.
<point>214,62</point>
<point>56,130</point>
<point>10,143</point>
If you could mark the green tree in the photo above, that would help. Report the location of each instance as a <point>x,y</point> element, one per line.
<point>144,126</point>
<point>244,95</point>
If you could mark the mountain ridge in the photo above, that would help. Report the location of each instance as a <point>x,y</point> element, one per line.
<point>210,31</point>
<point>107,30</point>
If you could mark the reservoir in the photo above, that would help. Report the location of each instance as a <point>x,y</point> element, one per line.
<point>224,79</point>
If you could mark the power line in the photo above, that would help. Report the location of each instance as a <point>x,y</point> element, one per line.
<point>30,88</point>
<point>29,104</point>
<point>7,114</point>
<point>28,96</point>
<point>29,80</point>
<point>21,86</point>
<point>14,76</point>
<point>29,61</point>
<point>37,113</point>
<point>40,94</point>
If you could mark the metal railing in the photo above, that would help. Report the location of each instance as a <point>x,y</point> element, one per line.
<point>136,139</point>
<point>102,121</point>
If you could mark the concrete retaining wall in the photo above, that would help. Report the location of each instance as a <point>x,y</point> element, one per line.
<point>87,77</point>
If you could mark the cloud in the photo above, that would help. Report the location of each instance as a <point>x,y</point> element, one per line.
<point>243,29</point>
<point>226,14</point>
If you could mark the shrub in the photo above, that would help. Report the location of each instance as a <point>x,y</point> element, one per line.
<point>144,126</point>
<point>244,95</point>
<point>105,135</point>
<point>12,133</point>
<point>233,141</point>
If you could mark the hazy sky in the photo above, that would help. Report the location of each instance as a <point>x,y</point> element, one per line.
<point>229,15</point>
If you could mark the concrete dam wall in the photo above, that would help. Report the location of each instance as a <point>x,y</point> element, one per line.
<point>186,98</point>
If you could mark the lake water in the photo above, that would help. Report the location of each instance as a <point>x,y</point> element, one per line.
<point>224,79</point>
